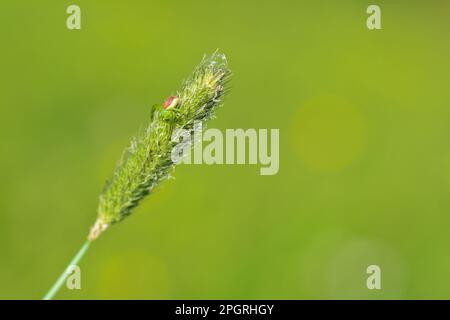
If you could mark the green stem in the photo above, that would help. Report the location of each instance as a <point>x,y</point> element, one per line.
<point>62,278</point>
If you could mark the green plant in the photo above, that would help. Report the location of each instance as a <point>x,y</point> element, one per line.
<point>148,159</point>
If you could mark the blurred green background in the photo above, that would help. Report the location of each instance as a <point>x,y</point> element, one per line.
<point>364,119</point>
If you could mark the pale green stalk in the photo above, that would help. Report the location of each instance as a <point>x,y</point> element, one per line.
<point>62,278</point>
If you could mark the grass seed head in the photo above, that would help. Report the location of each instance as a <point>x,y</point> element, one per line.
<point>147,161</point>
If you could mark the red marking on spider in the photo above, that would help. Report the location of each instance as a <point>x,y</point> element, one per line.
<point>170,103</point>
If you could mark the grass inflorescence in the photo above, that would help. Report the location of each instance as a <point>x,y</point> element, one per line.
<point>147,161</point>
